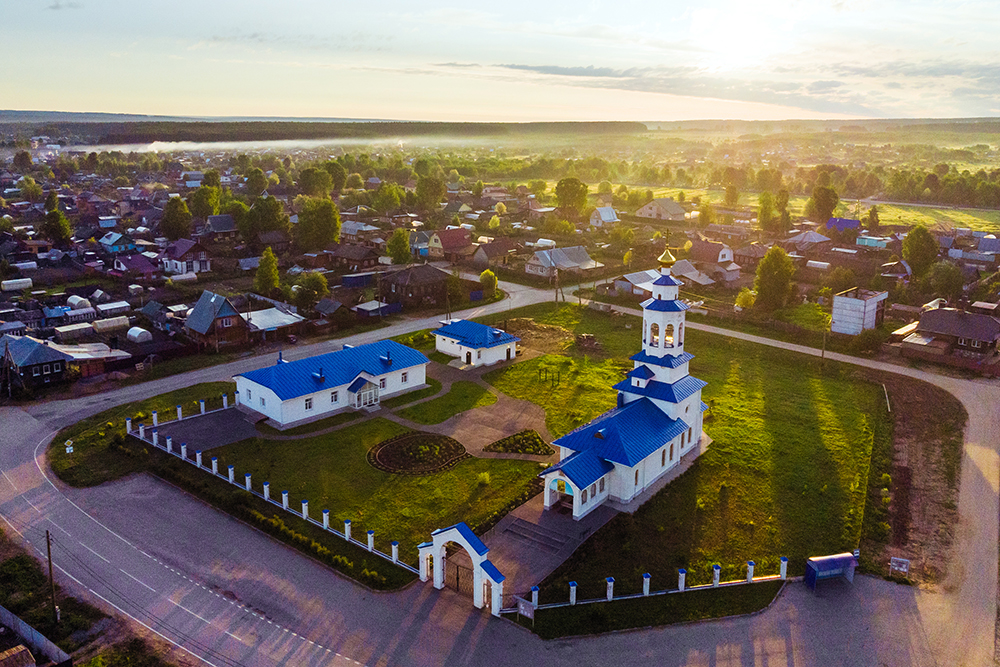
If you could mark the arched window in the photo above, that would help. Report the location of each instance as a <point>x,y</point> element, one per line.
<point>671,451</point>
<point>654,335</point>
<point>663,458</point>
<point>668,335</point>
<point>680,334</point>
<point>644,331</point>
<point>637,478</point>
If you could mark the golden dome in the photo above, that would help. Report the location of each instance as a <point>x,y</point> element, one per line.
<point>666,260</point>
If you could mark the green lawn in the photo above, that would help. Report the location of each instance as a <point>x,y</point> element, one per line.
<point>433,388</point>
<point>331,471</point>
<point>975,219</point>
<point>462,396</point>
<point>786,475</point>
<point>97,441</point>
<point>811,316</point>
<point>318,425</point>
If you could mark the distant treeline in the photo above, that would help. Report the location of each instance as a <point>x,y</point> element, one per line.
<point>148,132</point>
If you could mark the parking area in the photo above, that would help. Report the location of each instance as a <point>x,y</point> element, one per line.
<point>215,429</point>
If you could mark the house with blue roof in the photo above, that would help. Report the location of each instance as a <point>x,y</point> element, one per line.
<point>354,378</point>
<point>474,343</point>
<point>622,454</point>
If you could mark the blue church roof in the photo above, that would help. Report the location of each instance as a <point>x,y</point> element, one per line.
<point>666,361</point>
<point>335,369</point>
<point>665,305</point>
<point>625,435</point>
<point>466,532</point>
<point>475,335</point>
<point>583,468</point>
<point>672,393</point>
<point>667,281</point>
<point>642,372</point>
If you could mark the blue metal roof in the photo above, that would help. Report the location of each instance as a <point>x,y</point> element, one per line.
<point>666,361</point>
<point>583,468</point>
<point>357,384</point>
<point>27,351</point>
<point>672,393</point>
<point>642,372</point>
<point>704,406</point>
<point>475,335</point>
<point>492,572</point>
<point>625,435</point>
<point>665,305</point>
<point>840,224</point>
<point>466,532</point>
<point>667,281</point>
<point>335,369</point>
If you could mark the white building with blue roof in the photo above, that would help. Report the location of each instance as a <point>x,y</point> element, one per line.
<point>354,378</point>
<point>474,343</point>
<point>658,420</point>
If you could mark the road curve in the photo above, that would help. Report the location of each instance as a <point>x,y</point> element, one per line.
<point>229,595</point>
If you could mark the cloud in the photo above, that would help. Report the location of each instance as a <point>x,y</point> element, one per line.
<point>58,5</point>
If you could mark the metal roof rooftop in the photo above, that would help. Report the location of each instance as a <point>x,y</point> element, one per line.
<point>475,335</point>
<point>665,305</point>
<point>671,393</point>
<point>666,361</point>
<point>583,468</point>
<point>335,369</point>
<point>466,532</point>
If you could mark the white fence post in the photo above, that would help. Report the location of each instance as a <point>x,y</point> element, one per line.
<point>248,481</point>
<point>284,499</point>
<point>232,474</point>
<point>225,401</point>
<point>170,445</point>
<point>197,458</point>
<point>645,584</point>
<point>305,509</point>
<point>750,565</point>
<point>142,431</point>
<point>681,579</point>
<point>184,451</point>
<point>180,413</point>
<point>128,425</point>
<point>716,574</point>
<point>611,588</point>
<point>534,597</point>
<point>572,592</point>
<point>215,465</point>
<point>156,438</point>
<point>784,567</point>
<point>371,540</point>
<point>326,519</point>
<point>347,529</point>
<point>236,397</point>
<point>267,490</point>
<point>395,551</point>
<point>156,419</point>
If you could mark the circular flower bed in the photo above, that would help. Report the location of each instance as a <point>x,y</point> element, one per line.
<point>416,453</point>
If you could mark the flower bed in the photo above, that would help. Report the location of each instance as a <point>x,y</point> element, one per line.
<point>525,442</point>
<point>416,453</point>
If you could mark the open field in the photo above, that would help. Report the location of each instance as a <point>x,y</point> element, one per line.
<point>331,472</point>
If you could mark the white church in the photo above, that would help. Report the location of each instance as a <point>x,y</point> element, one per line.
<point>620,454</point>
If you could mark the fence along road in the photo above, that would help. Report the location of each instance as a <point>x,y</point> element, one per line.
<point>230,595</point>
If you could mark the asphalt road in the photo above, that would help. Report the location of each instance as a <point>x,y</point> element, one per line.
<point>229,595</point>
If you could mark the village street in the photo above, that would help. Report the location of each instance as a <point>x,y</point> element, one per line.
<point>232,596</point>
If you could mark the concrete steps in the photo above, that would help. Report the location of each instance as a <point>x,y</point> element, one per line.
<point>545,540</point>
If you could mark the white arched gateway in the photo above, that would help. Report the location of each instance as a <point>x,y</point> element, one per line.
<point>483,570</point>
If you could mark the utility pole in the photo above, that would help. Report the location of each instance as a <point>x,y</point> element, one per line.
<point>52,581</point>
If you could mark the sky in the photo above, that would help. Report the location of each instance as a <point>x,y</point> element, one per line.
<point>507,61</point>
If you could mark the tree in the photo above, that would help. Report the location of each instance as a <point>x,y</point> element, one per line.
<point>238,210</point>
<point>319,224</point>
<point>706,214</point>
<point>732,195</point>
<point>494,223</point>
<point>781,201</point>
<point>266,215</point>
<point>399,246</point>
<point>488,280</point>
<point>622,235</point>
<point>840,279</point>
<point>773,283</point>
<point>430,192</point>
<point>388,198</point>
<point>766,218</point>
<point>946,280</point>
<point>315,182</point>
<point>176,221</point>
<point>571,193</point>
<point>31,190</point>
<point>338,175</point>
<point>823,202</point>
<point>920,249</point>
<point>873,221</point>
<point>212,179</point>
<point>256,182</point>
<point>22,162</point>
<point>604,188</point>
<point>204,201</point>
<point>537,187</point>
<point>266,280</point>
<point>745,299</point>
<point>477,189</point>
<point>52,201</point>
<point>627,258</point>
<point>311,287</point>
<point>500,208</point>
<point>56,228</point>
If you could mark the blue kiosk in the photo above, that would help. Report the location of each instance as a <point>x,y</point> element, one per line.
<point>829,567</point>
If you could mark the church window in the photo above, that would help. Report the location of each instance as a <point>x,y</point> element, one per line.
<point>593,489</point>
<point>600,485</point>
<point>668,335</point>
<point>671,451</point>
<point>663,458</point>
<point>583,497</point>
<point>637,478</point>
<point>309,404</point>
<point>654,334</point>
<point>680,334</point>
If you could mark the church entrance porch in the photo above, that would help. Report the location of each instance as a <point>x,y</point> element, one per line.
<point>366,396</point>
<point>559,496</point>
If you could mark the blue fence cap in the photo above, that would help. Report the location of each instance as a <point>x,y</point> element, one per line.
<point>647,576</point>
<point>215,458</point>
<point>232,467</point>
<point>682,571</point>
<point>750,562</point>
<point>371,532</point>
<point>716,567</point>
<point>347,520</point>
<point>394,543</point>
<point>611,580</point>
<point>534,588</point>
<point>326,511</point>
<point>572,584</point>
<point>784,559</point>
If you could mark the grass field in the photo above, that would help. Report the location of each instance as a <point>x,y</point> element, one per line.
<point>331,472</point>
<point>462,396</point>
<point>319,425</point>
<point>786,475</point>
<point>433,387</point>
<point>97,440</point>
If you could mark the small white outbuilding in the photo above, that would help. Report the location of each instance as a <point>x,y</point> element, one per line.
<point>139,335</point>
